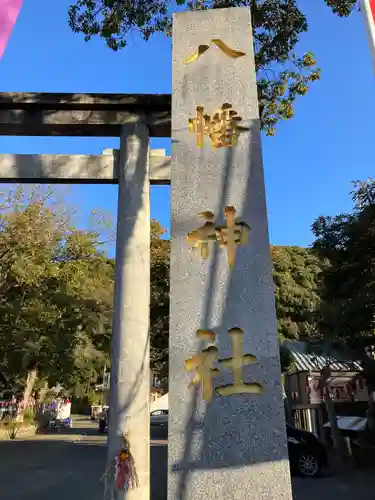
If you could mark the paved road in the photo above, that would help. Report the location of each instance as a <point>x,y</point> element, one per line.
<point>69,466</point>
<point>358,486</point>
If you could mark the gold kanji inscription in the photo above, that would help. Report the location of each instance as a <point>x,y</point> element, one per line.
<point>230,236</point>
<point>203,366</point>
<point>222,128</point>
<point>236,363</point>
<point>200,238</point>
<point>234,54</point>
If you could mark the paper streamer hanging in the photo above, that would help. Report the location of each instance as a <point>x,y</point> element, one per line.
<point>220,44</point>
<point>9,10</point>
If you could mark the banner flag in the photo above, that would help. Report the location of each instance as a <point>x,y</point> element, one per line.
<point>9,10</point>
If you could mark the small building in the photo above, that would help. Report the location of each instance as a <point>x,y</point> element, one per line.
<point>304,397</point>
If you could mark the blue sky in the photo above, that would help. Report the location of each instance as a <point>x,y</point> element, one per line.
<point>308,165</point>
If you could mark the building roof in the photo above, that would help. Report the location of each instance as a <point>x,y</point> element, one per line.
<point>305,361</point>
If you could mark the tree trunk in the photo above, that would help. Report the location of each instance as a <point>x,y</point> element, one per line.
<point>41,397</point>
<point>29,386</point>
<point>43,392</point>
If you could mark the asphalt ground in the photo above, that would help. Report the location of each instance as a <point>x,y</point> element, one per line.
<point>69,465</point>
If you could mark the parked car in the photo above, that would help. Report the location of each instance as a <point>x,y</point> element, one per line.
<point>307,455</point>
<point>158,418</point>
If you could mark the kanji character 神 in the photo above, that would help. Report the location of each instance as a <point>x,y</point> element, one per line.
<point>229,236</point>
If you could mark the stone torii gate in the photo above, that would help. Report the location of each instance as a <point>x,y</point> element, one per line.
<point>226,428</point>
<point>134,167</point>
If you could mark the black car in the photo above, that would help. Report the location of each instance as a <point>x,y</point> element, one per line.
<point>307,455</point>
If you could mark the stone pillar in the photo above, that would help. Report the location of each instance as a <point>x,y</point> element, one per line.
<point>229,446</point>
<point>130,374</point>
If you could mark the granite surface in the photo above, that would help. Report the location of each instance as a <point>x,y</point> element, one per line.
<point>233,447</point>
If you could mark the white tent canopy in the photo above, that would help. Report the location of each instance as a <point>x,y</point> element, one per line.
<point>160,403</point>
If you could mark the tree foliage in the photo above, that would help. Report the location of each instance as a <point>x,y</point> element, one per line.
<point>347,322</point>
<point>159,307</point>
<point>347,318</point>
<point>286,358</point>
<point>55,291</point>
<point>56,294</point>
<point>282,73</point>
<point>296,276</point>
<point>347,241</point>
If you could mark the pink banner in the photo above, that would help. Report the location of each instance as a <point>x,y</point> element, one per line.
<point>9,10</point>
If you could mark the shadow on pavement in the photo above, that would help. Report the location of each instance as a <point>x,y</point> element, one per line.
<point>75,431</point>
<point>47,468</point>
<point>41,469</point>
